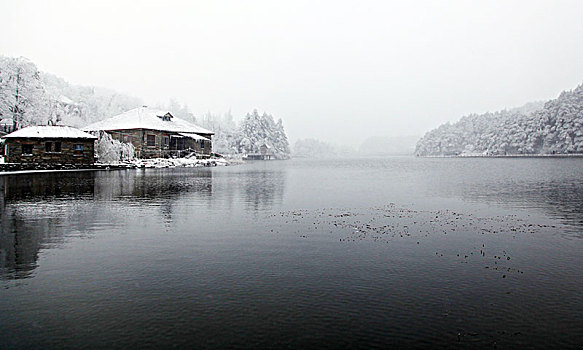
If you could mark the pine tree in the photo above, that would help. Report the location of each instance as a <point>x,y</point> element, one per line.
<point>553,128</point>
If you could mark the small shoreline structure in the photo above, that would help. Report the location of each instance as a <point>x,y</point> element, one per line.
<point>47,147</point>
<point>265,153</point>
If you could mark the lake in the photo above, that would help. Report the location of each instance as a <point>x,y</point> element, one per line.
<point>346,253</point>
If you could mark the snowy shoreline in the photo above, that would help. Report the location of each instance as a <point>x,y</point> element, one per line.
<point>156,163</point>
<point>570,155</point>
<point>181,162</point>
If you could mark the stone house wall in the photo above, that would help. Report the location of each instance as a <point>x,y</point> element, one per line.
<point>29,150</point>
<point>162,143</point>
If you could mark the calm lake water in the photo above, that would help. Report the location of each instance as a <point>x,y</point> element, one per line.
<point>368,253</point>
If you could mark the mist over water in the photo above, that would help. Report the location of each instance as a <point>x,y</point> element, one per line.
<point>340,253</point>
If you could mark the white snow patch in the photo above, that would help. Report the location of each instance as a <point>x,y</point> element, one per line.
<point>46,131</point>
<point>194,136</point>
<point>147,118</point>
<point>179,162</point>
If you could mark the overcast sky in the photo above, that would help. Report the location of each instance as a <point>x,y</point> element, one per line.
<point>332,70</point>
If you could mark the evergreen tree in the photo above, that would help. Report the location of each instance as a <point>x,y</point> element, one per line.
<point>258,130</point>
<point>553,128</point>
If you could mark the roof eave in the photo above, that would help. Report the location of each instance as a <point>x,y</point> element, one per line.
<point>140,128</point>
<point>49,137</point>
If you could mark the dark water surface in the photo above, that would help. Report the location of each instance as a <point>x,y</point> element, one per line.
<point>369,253</point>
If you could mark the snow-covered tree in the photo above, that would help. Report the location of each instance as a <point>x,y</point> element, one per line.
<point>217,123</point>
<point>81,105</point>
<point>258,130</point>
<point>555,127</point>
<point>30,97</point>
<point>112,151</point>
<point>254,131</point>
<point>22,94</point>
<point>179,110</point>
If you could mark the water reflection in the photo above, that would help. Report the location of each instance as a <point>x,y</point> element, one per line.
<point>18,248</point>
<point>555,186</point>
<point>44,210</point>
<point>263,189</point>
<point>43,186</point>
<point>254,187</point>
<point>32,217</point>
<point>195,256</point>
<point>560,200</point>
<point>152,183</point>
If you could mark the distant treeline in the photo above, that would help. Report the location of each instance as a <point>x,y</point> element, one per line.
<point>555,127</point>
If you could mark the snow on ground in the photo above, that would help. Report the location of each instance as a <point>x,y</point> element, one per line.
<point>178,162</point>
<point>142,163</point>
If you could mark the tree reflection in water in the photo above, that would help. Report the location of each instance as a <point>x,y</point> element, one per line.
<point>43,210</point>
<point>32,216</point>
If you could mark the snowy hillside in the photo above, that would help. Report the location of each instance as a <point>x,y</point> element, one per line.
<point>31,97</point>
<point>553,128</point>
<point>82,105</point>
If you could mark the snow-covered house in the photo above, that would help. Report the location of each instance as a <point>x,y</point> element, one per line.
<point>49,145</point>
<point>265,149</point>
<point>156,133</point>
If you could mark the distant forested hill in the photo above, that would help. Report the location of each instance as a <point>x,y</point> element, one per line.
<point>555,127</point>
<point>31,97</point>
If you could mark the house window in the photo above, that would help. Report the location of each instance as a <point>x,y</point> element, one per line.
<point>48,146</point>
<point>77,149</point>
<point>151,141</point>
<point>27,150</point>
<point>167,117</point>
<point>58,146</point>
<point>165,141</point>
<point>202,144</point>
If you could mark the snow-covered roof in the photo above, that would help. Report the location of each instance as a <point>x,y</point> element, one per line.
<point>45,131</point>
<point>194,136</point>
<point>147,118</point>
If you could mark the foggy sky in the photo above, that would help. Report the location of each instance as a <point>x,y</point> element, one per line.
<point>333,70</point>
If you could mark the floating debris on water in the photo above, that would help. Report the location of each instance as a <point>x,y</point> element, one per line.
<point>390,224</point>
